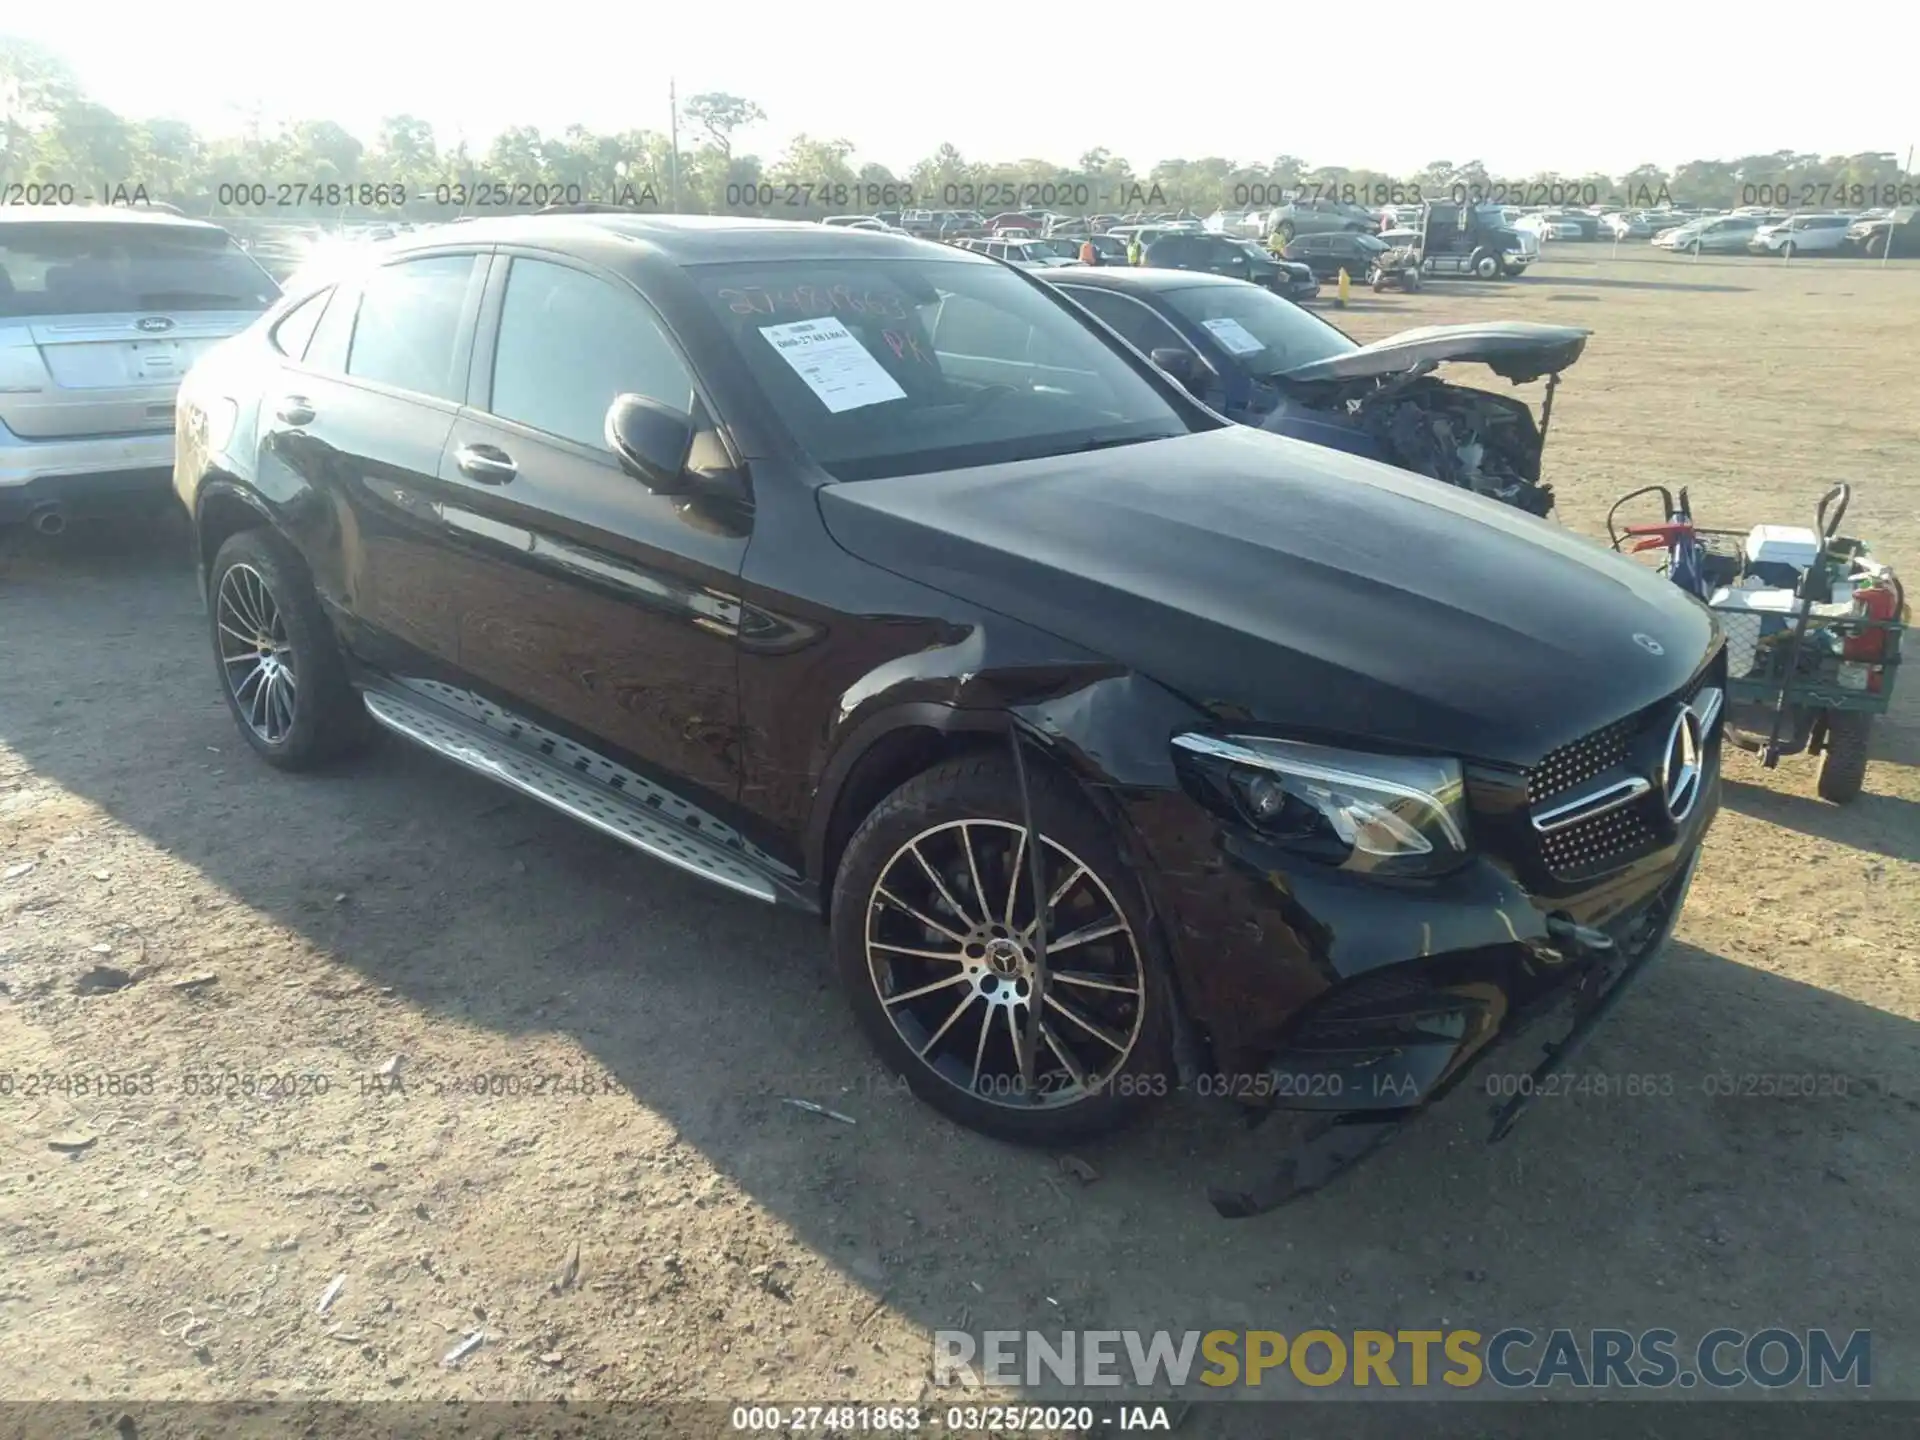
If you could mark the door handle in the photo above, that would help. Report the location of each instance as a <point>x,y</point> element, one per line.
<point>296,410</point>
<point>487,464</point>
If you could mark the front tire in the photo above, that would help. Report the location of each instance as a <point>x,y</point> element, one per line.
<point>1486,265</point>
<point>1843,764</point>
<point>933,926</point>
<point>280,668</point>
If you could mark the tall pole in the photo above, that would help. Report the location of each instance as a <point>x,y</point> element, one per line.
<point>673,139</point>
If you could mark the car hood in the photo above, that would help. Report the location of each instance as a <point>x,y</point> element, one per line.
<point>1280,584</point>
<point>1516,350</point>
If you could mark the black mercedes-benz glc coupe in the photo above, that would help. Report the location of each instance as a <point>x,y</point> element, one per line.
<point>1120,745</point>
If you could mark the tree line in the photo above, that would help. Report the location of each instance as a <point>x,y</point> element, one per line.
<point>59,146</point>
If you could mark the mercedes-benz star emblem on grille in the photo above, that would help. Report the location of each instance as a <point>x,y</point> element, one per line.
<point>154,322</point>
<point>1680,770</point>
<point>1649,644</point>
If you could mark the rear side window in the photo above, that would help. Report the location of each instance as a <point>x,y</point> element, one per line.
<point>408,331</point>
<point>327,350</point>
<point>569,343</point>
<point>1138,325</point>
<point>104,268</point>
<point>296,327</point>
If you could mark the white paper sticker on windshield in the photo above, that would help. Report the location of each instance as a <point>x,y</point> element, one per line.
<point>1234,335</point>
<point>833,362</point>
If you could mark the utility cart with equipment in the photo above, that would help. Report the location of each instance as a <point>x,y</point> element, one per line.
<point>1813,627</point>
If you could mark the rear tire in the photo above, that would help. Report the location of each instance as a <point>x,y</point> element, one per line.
<point>280,667</point>
<point>963,819</point>
<point>1843,764</point>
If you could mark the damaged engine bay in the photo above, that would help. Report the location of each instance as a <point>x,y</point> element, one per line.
<point>1384,401</point>
<point>1479,441</point>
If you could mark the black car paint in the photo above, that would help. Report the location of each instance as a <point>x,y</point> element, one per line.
<point>795,647</point>
<point>1211,254</point>
<point>1326,255</point>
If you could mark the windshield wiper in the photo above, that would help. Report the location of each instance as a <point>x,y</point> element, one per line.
<point>1113,442</point>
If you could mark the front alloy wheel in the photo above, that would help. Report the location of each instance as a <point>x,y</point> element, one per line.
<point>256,655</point>
<point>952,939</point>
<point>936,927</point>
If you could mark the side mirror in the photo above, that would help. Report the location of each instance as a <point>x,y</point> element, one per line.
<point>653,442</point>
<point>1178,363</point>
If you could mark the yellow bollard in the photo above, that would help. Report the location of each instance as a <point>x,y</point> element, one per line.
<point>1346,283</point>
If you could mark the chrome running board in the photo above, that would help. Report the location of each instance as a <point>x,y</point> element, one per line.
<point>574,780</point>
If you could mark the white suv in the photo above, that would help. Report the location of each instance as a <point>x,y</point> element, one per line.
<point>1802,234</point>
<point>102,311</point>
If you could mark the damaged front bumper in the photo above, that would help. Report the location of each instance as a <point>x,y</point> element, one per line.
<point>1376,1060</point>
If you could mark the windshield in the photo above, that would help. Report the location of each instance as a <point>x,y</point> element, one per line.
<point>98,269</point>
<point>897,367</point>
<point>1263,332</point>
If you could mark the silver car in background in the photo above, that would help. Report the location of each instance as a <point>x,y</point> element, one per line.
<point>102,311</point>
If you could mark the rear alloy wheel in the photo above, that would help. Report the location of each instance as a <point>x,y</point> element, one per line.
<point>935,932</point>
<point>255,654</point>
<point>280,669</point>
<point>1843,764</point>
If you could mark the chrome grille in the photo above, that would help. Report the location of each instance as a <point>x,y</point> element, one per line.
<point>1578,762</point>
<point>1588,843</point>
<point>1568,775</point>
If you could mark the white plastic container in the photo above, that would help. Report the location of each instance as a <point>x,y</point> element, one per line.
<point>1793,545</point>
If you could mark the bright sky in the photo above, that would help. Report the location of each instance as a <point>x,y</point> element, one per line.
<point>1562,88</point>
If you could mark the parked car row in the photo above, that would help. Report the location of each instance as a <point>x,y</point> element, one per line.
<point>1176,247</point>
<point>1756,230</point>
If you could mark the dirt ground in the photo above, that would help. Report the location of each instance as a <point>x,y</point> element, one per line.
<point>656,1223</point>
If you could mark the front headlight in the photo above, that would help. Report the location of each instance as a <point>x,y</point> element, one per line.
<point>1378,814</point>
